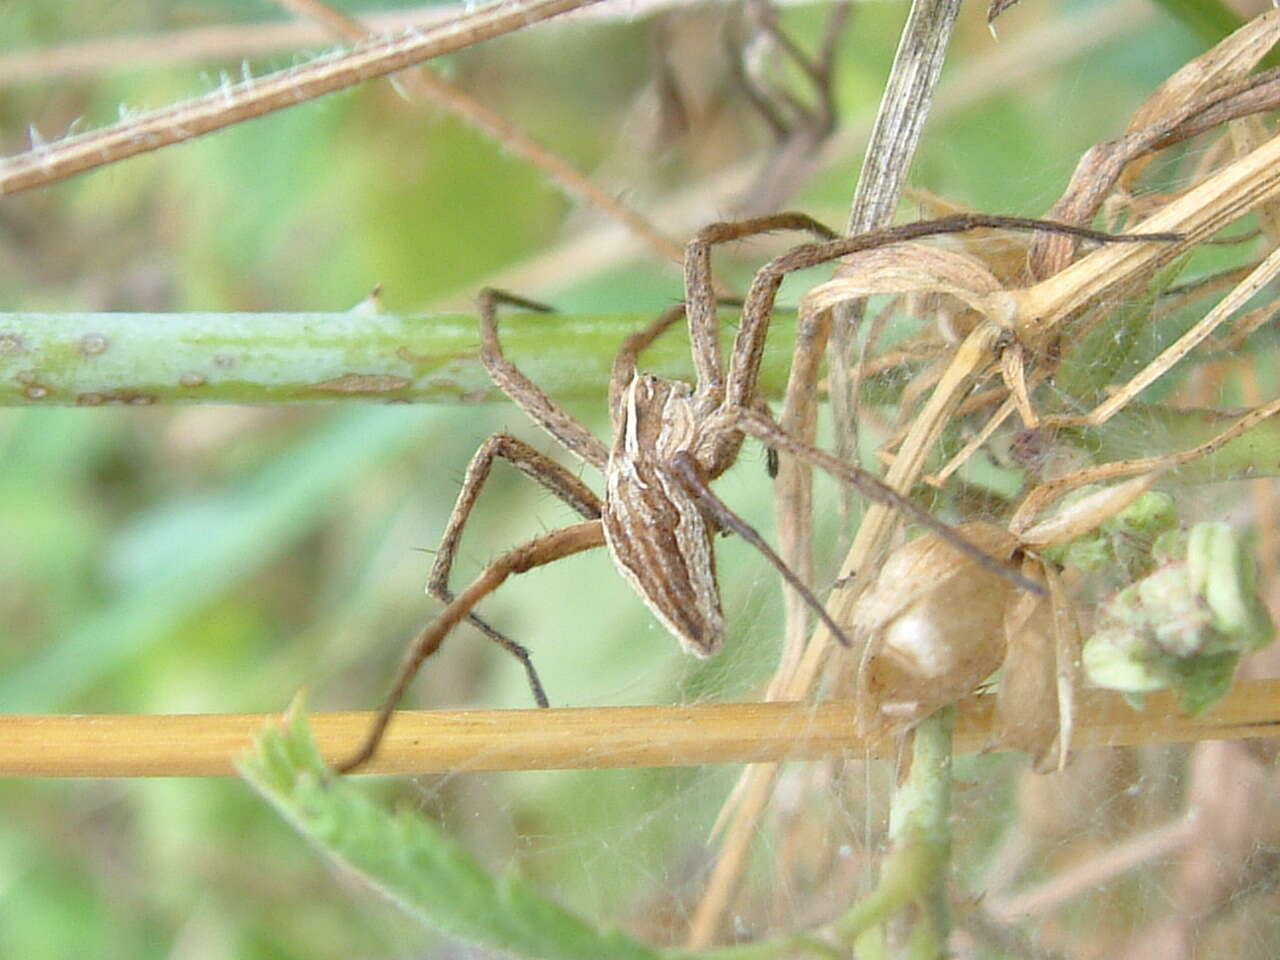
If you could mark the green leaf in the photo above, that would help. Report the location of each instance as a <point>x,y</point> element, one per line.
<point>412,861</point>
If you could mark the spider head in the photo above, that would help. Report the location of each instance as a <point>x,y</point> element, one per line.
<point>655,420</point>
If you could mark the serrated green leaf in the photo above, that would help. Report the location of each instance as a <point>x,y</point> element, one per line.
<point>413,862</point>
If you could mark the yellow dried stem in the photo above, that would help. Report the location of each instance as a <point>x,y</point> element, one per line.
<point>1248,134</point>
<point>443,741</point>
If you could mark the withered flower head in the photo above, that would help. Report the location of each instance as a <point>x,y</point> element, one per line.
<point>932,623</point>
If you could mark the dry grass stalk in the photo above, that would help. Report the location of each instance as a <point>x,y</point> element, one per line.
<point>1228,195</point>
<point>442,741</point>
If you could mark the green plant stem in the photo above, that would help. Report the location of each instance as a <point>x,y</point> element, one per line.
<point>91,359</point>
<point>915,871</point>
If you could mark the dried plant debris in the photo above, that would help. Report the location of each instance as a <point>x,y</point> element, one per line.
<point>1209,91</point>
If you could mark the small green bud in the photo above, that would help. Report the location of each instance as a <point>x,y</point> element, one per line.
<point>1185,625</point>
<point>1150,515</point>
<point>1089,554</point>
<point>1222,571</point>
<point>1120,659</point>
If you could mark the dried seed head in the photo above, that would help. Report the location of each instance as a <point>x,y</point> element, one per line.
<point>932,623</point>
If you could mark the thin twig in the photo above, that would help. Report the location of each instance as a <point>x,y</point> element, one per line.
<point>904,107</point>
<point>255,96</point>
<point>1095,873</point>
<point>436,741</point>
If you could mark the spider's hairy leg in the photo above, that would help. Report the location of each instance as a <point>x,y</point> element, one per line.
<point>536,553</point>
<point>686,469</point>
<point>767,431</point>
<point>550,475</point>
<point>748,348</point>
<point>624,363</point>
<point>700,297</point>
<point>524,392</point>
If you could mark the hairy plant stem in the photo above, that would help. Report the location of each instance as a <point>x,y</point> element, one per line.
<point>92,359</point>
<point>255,96</point>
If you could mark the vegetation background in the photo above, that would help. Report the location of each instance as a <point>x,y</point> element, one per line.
<point>218,559</point>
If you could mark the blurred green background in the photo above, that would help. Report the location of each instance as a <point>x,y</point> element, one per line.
<point>219,559</point>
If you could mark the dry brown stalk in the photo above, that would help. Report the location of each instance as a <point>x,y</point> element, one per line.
<point>440,741</point>
<point>1202,211</point>
<point>256,96</point>
<point>1208,91</point>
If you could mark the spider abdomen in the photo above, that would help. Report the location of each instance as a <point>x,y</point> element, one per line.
<point>661,543</point>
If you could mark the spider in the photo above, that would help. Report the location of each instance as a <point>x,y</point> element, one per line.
<point>659,515</point>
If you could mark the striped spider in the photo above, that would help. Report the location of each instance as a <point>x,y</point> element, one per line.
<point>658,515</point>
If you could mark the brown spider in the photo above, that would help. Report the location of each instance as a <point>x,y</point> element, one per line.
<point>658,514</point>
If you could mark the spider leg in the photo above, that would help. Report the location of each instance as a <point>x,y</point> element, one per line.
<point>748,346</point>
<point>545,471</point>
<point>528,395</point>
<point>814,121</point>
<point>624,364</point>
<point>686,469</point>
<point>744,364</point>
<point>767,431</point>
<point>700,297</point>
<point>536,553</point>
